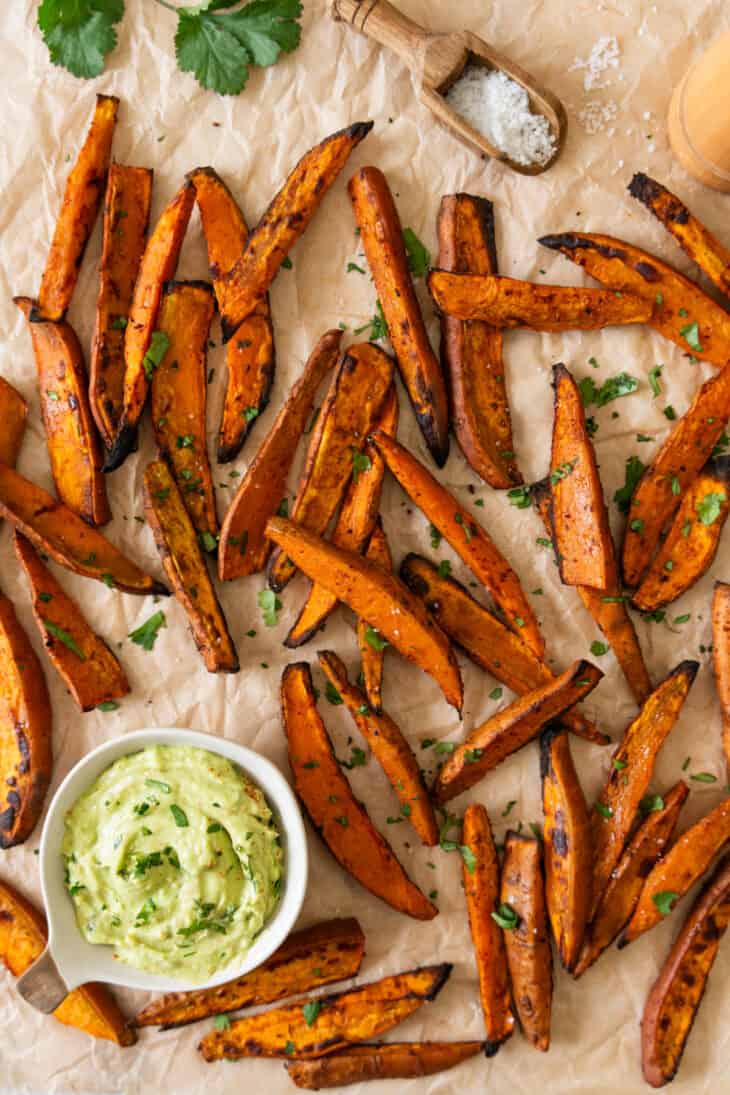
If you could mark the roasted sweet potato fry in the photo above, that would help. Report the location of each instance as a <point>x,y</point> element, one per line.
<point>471,352</point>
<point>390,749</point>
<point>671,878</point>
<point>243,547</point>
<point>381,236</point>
<point>343,1018</point>
<point>680,310</point>
<point>466,536</point>
<point>23,936</point>
<point>126,217</point>
<point>246,284</point>
<point>185,568</point>
<point>372,650</point>
<point>73,445</point>
<point>13,415</point>
<point>485,639</point>
<point>178,400</point>
<point>582,535</point>
<point>157,267</point>
<point>721,657</point>
<point>81,200</point>
<point>624,886</point>
<point>353,405</point>
<point>529,957</point>
<point>691,235</point>
<point>333,810</point>
<point>481,888</point>
<point>631,770</point>
<point>330,951</point>
<point>692,542</point>
<point>507,302</point>
<point>672,1004</point>
<point>85,663</point>
<point>54,529</point>
<point>381,1061</point>
<point>568,845</point>
<point>250,357</point>
<point>393,611</point>
<point>511,728</point>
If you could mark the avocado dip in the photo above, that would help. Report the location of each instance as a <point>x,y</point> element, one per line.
<point>173,857</point>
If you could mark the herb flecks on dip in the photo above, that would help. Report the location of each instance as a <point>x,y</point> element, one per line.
<point>173,858</point>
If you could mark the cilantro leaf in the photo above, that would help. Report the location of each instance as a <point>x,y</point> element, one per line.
<point>146,635</point>
<point>80,34</point>
<point>710,507</point>
<point>419,259</point>
<point>64,637</point>
<point>158,347</point>
<point>506,917</point>
<point>613,388</point>
<point>269,604</point>
<point>634,470</point>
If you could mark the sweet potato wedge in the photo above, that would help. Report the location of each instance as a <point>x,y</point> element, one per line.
<point>330,951</point>
<point>381,1061</point>
<point>608,609</point>
<point>247,283</point>
<point>250,357</point>
<point>126,218</point>
<point>466,536</point>
<point>674,874</point>
<point>507,302</point>
<point>25,732</point>
<point>484,639</point>
<point>631,769</point>
<point>13,415</point>
<point>471,351</point>
<point>582,535</point>
<point>372,651</point>
<point>381,236</point>
<point>686,450</point>
<point>354,528</point>
<point>481,889</point>
<point>343,1017</point>
<point>243,547</point>
<point>680,310</point>
<point>157,267</point>
<point>73,444</point>
<point>83,660</point>
<point>56,530</point>
<point>721,658</point>
<point>529,957</point>
<point>390,749</point>
<point>692,541</point>
<point>81,200</point>
<point>373,593</point>
<point>624,886</point>
<point>90,1007</point>
<point>178,395</point>
<point>672,1004</point>
<point>354,401</point>
<point>511,728</point>
<point>691,235</point>
<point>327,797</point>
<point>567,843</point>
<point>184,565</point>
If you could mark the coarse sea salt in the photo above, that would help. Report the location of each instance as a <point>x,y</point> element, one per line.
<point>499,109</point>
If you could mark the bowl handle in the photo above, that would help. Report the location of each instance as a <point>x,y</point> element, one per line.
<point>42,985</point>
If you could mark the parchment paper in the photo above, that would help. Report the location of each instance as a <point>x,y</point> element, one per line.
<point>337,77</point>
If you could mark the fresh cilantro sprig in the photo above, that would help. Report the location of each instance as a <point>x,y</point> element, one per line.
<point>80,34</point>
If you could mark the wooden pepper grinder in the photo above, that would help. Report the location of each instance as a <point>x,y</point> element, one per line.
<point>699,117</point>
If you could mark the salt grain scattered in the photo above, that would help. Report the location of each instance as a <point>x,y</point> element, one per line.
<point>595,116</point>
<point>604,56</point>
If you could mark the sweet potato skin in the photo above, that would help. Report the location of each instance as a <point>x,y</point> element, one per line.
<point>381,1061</point>
<point>672,1004</point>
<point>13,415</point>
<point>23,936</point>
<point>243,548</point>
<point>73,445</point>
<point>390,749</point>
<point>97,676</point>
<point>381,236</point>
<point>511,728</point>
<point>329,951</point>
<point>529,957</point>
<point>126,218</point>
<point>318,779</point>
<point>185,567</point>
<point>372,657</point>
<point>248,281</point>
<point>378,596</point>
<point>471,352</point>
<point>721,658</point>
<point>81,201</point>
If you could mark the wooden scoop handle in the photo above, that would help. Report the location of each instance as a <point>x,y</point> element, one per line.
<point>384,24</point>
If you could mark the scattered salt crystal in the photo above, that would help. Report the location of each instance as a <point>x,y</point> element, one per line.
<point>499,109</point>
<point>604,55</point>
<point>595,116</point>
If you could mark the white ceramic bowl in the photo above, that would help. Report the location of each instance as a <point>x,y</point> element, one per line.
<point>75,959</point>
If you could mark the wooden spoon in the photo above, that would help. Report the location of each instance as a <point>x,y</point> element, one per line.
<point>437,61</point>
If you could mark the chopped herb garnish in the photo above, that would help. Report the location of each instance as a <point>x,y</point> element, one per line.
<point>270,605</point>
<point>634,470</point>
<point>561,472</point>
<point>468,529</point>
<point>158,347</point>
<point>496,693</point>
<point>598,648</point>
<point>651,804</point>
<point>107,705</point>
<point>360,462</point>
<point>181,818</point>
<point>691,335</point>
<point>221,1022</point>
<point>374,639</point>
<point>654,377</point>
<point>603,810</point>
<point>332,694</point>
<point>353,267</point>
<point>418,257</point>
<point>703,777</point>
<point>64,637</point>
<point>520,497</point>
<point>435,536</point>
<point>146,635</point>
<point>506,917</point>
<point>613,388</point>
<point>710,507</point>
<point>444,568</point>
<point>665,901</point>
<point>637,525</point>
<point>311,1010</point>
